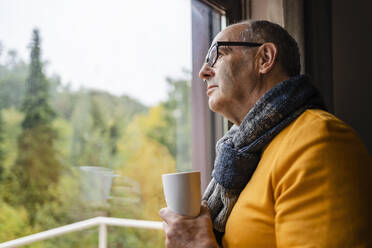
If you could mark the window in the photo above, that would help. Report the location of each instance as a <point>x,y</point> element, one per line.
<point>89,124</point>
<point>208,127</point>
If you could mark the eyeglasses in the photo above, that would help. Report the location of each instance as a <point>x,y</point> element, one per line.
<point>213,53</point>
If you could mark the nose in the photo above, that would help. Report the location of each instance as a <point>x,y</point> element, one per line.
<point>206,72</point>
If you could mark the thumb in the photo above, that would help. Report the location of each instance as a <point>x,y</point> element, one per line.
<point>204,208</point>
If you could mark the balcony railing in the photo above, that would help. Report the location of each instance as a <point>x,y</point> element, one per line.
<point>101,222</point>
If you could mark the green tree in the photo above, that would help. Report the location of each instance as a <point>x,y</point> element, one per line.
<point>144,160</point>
<point>97,148</point>
<point>15,223</point>
<point>37,168</point>
<point>13,75</point>
<point>98,120</point>
<point>175,132</point>
<point>36,102</point>
<point>1,147</point>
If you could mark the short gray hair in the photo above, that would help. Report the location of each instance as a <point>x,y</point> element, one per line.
<point>265,31</point>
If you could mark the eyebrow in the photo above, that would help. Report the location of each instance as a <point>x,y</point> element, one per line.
<point>225,48</point>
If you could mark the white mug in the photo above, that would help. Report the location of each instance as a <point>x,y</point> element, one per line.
<point>182,192</point>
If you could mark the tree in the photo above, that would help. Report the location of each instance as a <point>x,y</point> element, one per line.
<point>1,147</point>
<point>13,75</point>
<point>144,160</point>
<point>14,222</point>
<point>36,102</point>
<point>175,130</point>
<point>37,168</point>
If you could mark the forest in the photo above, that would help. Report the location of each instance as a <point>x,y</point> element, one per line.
<point>49,132</point>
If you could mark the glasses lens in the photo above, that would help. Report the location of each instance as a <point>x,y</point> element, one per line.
<point>212,55</point>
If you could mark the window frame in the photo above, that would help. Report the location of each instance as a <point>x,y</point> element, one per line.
<point>207,126</point>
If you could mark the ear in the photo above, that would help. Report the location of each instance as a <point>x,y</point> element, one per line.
<point>267,54</point>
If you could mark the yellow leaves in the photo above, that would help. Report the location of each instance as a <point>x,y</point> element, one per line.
<point>144,123</point>
<point>63,143</point>
<point>14,223</point>
<point>145,160</point>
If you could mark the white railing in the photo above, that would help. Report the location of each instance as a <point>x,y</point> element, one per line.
<point>102,222</point>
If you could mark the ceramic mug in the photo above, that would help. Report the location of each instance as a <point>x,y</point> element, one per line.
<point>182,192</point>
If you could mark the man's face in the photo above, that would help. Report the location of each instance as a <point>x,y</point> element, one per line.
<point>232,80</point>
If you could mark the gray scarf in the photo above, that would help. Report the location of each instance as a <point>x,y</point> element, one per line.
<point>239,150</point>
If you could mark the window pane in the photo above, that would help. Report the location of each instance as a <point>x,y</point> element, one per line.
<point>95,106</point>
<point>206,23</point>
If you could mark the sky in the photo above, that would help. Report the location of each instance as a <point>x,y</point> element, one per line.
<point>121,46</point>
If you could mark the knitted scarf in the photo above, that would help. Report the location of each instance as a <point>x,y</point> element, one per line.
<point>238,151</point>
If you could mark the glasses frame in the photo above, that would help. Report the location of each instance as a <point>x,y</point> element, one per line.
<point>227,43</point>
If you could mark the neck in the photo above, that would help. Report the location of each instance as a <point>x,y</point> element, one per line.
<point>265,83</point>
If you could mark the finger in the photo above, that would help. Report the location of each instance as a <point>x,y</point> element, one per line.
<point>204,208</point>
<point>165,226</point>
<point>163,213</point>
<point>167,215</point>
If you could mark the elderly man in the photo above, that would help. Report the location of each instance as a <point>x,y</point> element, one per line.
<point>287,174</point>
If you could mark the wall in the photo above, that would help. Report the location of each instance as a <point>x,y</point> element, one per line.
<point>352,65</point>
<point>268,10</point>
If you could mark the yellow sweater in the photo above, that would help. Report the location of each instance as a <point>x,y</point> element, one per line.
<point>312,188</point>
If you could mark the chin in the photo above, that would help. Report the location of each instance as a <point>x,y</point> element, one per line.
<point>215,105</point>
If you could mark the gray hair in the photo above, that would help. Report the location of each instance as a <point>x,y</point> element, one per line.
<point>265,31</point>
